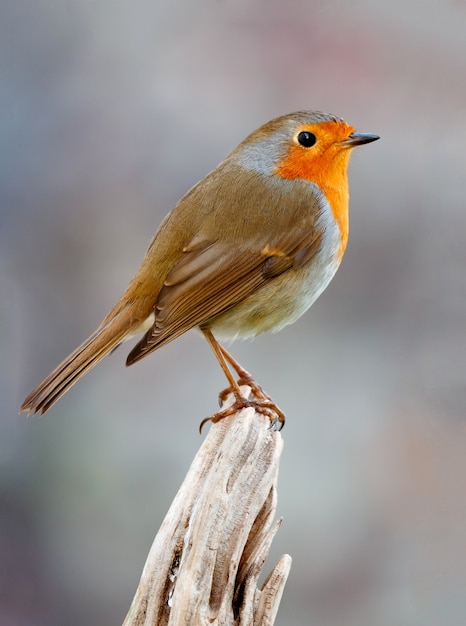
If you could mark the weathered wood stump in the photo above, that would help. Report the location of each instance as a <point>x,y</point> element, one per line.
<point>206,559</point>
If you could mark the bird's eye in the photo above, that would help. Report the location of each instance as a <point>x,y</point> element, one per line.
<point>306,139</point>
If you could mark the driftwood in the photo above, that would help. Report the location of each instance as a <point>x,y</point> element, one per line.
<point>206,559</point>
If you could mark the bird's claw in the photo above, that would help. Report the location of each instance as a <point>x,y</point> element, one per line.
<point>262,403</point>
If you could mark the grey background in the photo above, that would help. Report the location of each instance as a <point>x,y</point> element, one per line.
<point>110,111</point>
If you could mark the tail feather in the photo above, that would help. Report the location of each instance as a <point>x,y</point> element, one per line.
<point>88,354</point>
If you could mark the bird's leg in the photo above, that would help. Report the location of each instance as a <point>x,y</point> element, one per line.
<point>218,350</point>
<point>264,403</point>
<point>245,378</point>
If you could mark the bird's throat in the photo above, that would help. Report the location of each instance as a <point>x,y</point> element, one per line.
<point>329,173</point>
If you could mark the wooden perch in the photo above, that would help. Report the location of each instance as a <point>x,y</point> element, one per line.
<point>206,559</point>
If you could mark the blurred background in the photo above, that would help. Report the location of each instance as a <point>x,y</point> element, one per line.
<point>110,111</point>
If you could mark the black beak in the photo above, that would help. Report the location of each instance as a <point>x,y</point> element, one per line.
<point>359,139</point>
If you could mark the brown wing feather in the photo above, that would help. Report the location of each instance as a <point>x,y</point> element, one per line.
<point>211,278</point>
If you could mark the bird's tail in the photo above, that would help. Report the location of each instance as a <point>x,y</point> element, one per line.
<point>89,353</point>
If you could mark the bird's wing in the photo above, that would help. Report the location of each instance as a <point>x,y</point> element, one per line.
<point>213,276</point>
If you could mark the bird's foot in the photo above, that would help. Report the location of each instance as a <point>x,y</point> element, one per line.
<point>261,402</point>
<point>247,380</point>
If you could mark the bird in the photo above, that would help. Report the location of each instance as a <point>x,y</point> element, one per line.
<point>246,250</point>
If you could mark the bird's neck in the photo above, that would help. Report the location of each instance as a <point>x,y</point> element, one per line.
<point>330,175</point>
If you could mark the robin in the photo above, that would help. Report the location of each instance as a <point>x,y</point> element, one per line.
<point>247,250</point>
